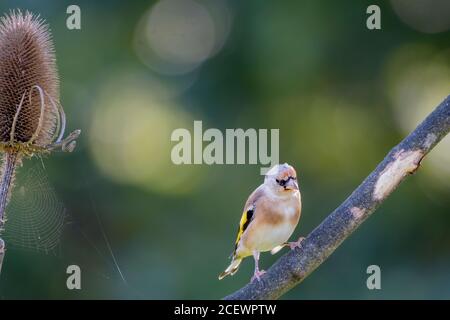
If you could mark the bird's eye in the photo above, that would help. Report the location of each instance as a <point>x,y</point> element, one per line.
<point>281,182</point>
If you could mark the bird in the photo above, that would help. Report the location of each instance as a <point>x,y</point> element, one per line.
<point>269,218</point>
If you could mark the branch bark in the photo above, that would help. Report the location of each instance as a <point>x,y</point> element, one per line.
<point>404,159</point>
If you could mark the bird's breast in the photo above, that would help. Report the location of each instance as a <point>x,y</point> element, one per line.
<point>268,236</point>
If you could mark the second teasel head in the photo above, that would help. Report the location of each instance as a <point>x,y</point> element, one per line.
<point>31,117</point>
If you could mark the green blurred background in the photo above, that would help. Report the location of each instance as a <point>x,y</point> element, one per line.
<point>340,94</point>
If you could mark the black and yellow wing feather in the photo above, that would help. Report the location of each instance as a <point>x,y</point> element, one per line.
<point>246,218</point>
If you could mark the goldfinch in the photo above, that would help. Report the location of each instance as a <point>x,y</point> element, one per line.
<point>270,216</point>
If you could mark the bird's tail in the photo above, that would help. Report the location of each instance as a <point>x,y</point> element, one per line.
<point>232,268</point>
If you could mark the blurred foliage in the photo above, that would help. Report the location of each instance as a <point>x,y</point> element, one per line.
<point>340,94</point>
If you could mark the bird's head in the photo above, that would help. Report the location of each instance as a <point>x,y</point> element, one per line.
<point>282,179</point>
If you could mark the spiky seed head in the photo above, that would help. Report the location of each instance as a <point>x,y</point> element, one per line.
<point>29,84</point>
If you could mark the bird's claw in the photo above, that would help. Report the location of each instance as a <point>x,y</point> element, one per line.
<point>292,245</point>
<point>296,244</point>
<point>257,275</point>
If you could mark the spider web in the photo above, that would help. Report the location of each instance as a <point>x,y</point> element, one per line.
<point>35,215</point>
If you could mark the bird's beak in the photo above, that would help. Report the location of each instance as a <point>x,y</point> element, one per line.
<point>292,184</point>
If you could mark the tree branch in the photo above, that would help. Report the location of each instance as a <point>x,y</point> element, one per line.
<point>404,159</point>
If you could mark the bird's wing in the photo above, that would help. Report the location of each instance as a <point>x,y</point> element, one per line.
<point>248,215</point>
<point>246,218</point>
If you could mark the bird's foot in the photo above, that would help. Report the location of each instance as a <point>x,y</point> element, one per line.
<point>296,244</point>
<point>257,275</point>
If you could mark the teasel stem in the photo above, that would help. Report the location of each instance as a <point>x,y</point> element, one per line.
<point>10,161</point>
<point>32,120</point>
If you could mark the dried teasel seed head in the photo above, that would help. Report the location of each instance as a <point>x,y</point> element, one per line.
<point>30,114</point>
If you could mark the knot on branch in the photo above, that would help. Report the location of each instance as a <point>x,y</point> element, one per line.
<point>404,163</point>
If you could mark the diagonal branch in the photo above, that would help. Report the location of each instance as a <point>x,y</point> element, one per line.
<point>404,159</point>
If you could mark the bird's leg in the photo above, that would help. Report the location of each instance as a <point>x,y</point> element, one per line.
<point>258,273</point>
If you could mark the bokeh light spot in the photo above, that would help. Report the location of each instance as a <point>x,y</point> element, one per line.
<point>428,16</point>
<point>175,36</point>
<point>130,136</point>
